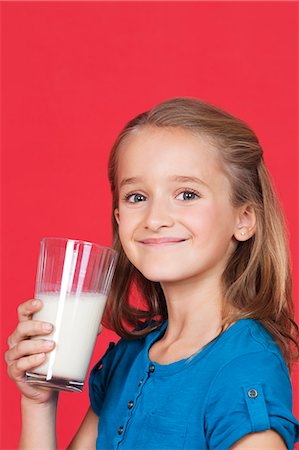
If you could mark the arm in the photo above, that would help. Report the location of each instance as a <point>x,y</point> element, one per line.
<point>38,425</point>
<point>264,440</point>
<point>39,405</point>
<point>86,436</point>
<point>24,354</point>
<point>250,405</point>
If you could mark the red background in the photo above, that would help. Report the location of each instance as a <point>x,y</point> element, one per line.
<point>74,73</point>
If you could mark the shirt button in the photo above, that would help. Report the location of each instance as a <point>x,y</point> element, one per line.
<point>152,368</point>
<point>120,430</point>
<point>252,393</point>
<point>130,404</point>
<point>140,382</point>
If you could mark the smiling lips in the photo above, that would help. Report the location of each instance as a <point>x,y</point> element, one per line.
<point>161,241</point>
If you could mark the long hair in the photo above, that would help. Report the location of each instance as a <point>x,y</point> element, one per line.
<point>257,281</point>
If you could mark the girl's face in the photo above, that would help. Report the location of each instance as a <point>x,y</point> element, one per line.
<point>175,217</point>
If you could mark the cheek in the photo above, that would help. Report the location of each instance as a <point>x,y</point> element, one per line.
<point>126,227</point>
<point>202,219</point>
<point>123,234</point>
<point>125,243</point>
<point>129,219</point>
<point>211,221</point>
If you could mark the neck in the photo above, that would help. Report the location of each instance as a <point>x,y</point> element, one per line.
<point>194,309</point>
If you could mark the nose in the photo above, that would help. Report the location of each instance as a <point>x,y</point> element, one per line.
<point>158,215</point>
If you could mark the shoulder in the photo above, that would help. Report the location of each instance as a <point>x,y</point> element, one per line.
<point>249,353</point>
<point>125,348</point>
<point>251,389</point>
<point>115,364</point>
<point>245,372</point>
<point>246,343</point>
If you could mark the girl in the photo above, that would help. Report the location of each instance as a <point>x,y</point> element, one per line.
<point>204,362</point>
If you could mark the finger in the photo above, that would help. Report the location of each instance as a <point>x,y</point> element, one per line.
<point>28,329</point>
<point>16,371</point>
<point>27,348</point>
<point>26,309</point>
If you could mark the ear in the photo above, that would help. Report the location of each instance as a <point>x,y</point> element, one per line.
<point>116,215</point>
<point>246,223</point>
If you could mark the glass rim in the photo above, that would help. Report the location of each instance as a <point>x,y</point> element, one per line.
<point>81,241</point>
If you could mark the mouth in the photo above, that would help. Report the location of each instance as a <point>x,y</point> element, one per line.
<point>159,242</point>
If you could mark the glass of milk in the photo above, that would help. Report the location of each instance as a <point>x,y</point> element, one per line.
<point>73,282</point>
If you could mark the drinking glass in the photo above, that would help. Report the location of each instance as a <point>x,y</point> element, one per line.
<point>73,282</point>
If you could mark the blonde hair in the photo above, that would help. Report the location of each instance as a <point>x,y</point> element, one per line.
<point>257,281</point>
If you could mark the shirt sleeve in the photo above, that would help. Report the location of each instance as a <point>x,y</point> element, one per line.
<point>98,379</point>
<point>250,394</point>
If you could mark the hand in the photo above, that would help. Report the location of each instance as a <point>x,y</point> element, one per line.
<point>25,354</point>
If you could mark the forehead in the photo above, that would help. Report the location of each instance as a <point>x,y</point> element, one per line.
<point>168,151</point>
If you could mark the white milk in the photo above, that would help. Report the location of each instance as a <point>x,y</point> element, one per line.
<point>76,324</point>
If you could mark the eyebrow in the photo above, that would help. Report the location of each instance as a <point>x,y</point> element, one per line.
<point>188,179</point>
<point>131,180</point>
<point>177,178</point>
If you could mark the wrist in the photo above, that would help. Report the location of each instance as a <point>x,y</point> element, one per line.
<point>36,403</point>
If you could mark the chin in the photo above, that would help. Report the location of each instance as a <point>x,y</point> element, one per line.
<point>162,276</point>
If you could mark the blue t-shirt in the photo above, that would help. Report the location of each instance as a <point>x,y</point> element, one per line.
<point>237,384</point>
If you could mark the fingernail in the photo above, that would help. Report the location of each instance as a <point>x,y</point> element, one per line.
<point>47,326</point>
<point>35,302</point>
<point>48,344</point>
<point>39,355</point>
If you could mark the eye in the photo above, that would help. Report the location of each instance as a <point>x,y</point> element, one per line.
<point>135,198</point>
<point>187,195</point>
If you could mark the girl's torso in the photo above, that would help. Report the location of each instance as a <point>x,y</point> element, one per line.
<point>237,384</point>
